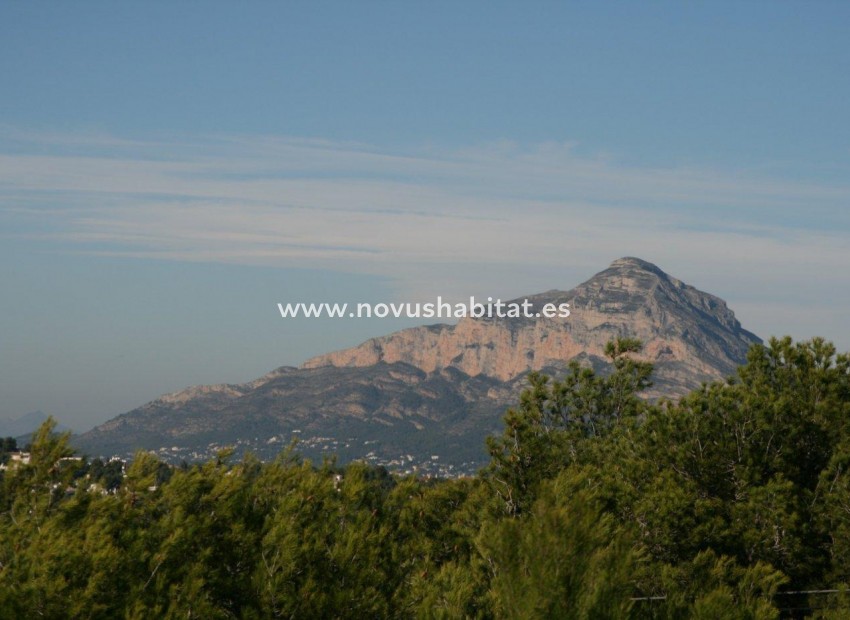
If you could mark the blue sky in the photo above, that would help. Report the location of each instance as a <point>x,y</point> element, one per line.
<point>171,171</point>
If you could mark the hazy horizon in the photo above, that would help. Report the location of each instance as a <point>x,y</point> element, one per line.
<point>167,176</point>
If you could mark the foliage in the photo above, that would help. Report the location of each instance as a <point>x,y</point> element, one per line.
<point>731,503</point>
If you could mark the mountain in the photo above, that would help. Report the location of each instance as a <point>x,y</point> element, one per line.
<point>427,396</point>
<point>393,410</point>
<point>691,336</point>
<point>24,425</point>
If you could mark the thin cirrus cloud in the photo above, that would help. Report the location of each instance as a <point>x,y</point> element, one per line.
<point>489,213</point>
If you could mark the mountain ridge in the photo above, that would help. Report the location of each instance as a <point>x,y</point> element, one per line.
<point>438,390</point>
<point>505,348</point>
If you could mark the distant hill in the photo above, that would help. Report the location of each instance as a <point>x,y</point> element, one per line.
<point>21,428</point>
<point>433,393</point>
<point>24,425</point>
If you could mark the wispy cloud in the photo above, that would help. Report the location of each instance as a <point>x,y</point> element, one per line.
<point>481,219</point>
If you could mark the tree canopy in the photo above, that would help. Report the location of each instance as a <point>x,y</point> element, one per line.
<point>732,502</point>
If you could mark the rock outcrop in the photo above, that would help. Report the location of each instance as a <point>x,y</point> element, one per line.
<point>689,335</point>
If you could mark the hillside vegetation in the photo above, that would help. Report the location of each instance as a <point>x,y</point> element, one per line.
<point>733,502</point>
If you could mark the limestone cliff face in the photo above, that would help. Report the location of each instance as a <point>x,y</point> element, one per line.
<point>690,335</point>
<point>440,390</point>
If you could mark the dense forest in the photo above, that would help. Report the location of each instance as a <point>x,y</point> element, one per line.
<point>733,502</point>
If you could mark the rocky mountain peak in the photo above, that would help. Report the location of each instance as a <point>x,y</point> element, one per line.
<point>633,262</point>
<point>690,335</point>
<point>442,388</point>
<point>632,275</point>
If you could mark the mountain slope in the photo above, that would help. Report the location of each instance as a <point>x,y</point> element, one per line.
<point>691,336</point>
<point>429,395</point>
<point>16,427</point>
